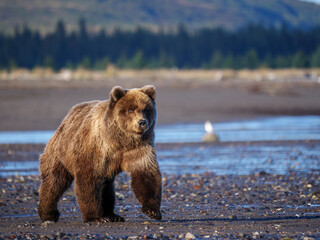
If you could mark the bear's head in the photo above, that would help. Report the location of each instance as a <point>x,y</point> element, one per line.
<point>134,110</point>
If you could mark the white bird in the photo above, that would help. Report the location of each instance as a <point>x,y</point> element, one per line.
<point>208,127</point>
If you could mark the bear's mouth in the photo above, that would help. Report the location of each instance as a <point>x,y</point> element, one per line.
<point>140,131</point>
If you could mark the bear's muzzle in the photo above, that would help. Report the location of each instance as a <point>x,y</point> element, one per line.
<point>143,125</point>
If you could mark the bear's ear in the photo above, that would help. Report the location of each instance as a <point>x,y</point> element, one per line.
<point>116,93</point>
<point>150,90</point>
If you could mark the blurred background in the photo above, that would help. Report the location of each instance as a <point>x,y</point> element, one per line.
<point>144,34</point>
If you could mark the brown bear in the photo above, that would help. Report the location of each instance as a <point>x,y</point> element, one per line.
<point>96,141</point>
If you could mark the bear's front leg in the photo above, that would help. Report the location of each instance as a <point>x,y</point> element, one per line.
<point>107,202</point>
<point>147,187</point>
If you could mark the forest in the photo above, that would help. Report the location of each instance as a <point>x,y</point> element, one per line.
<point>253,46</point>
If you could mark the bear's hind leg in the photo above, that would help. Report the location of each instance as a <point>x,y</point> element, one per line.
<point>107,202</point>
<point>53,185</point>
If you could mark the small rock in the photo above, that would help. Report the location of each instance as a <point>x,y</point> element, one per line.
<point>125,208</point>
<point>210,137</point>
<point>61,235</point>
<point>190,236</point>
<point>46,223</point>
<point>132,238</point>
<point>120,196</point>
<point>233,217</point>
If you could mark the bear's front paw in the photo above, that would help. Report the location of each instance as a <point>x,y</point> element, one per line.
<point>98,220</point>
<point>152,213</point>
<point>106,219</point>
<point>116,218</point>
<point>112,217</point>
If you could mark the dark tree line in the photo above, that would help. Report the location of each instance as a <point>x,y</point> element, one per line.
<point>250,47</point>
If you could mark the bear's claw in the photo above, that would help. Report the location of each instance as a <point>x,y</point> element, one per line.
<point>114,218</point>
<point>152,214</point>
<point>117,218</point>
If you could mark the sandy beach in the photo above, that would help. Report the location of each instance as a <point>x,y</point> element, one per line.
<point>260,205</point>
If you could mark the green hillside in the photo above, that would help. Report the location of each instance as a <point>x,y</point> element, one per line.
<point>167,14</point>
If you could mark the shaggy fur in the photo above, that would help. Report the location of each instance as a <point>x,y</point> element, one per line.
<point>95,142</point>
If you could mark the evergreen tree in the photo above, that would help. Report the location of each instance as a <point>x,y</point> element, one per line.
<point>85,63</point>
<point>101,64</point>
<point>251,60</point>
<point>48,62</point>
<point>282,62</point>
<point>315,60</point>
<point>59,47</point>
<point>249,47</point>
<point>230,62</point>
<point>217,60</point>
<point>138,61</point>
<point>300,60</point>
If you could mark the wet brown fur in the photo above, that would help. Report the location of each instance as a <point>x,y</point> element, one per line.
<point>96,141</point>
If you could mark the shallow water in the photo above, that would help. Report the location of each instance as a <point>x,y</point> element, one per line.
<point>263,129</point>
<point>235,156</point>
<point>241,159</point>
<point>10,168</point>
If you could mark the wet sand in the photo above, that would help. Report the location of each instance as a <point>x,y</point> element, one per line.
<point>254,206</point>
<point>41,105</point>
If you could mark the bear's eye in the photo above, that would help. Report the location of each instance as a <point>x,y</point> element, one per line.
<point>130,110</point>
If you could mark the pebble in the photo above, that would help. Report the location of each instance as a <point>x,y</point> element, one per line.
<point>190,236</point>
<point>61,234</point>
<point>120,196</point>
<point>181,236</point>
<point>46,223</point>
<point>132,238</point>
<point>233,217</point>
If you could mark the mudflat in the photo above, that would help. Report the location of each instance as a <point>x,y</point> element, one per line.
<point>41,105</point>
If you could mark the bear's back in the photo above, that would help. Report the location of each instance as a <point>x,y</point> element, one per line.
<point>73,122</point>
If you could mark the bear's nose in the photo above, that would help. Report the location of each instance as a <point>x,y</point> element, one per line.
<point>142,123</point>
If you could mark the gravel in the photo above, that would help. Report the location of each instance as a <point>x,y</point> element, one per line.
<point>195,206</point>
